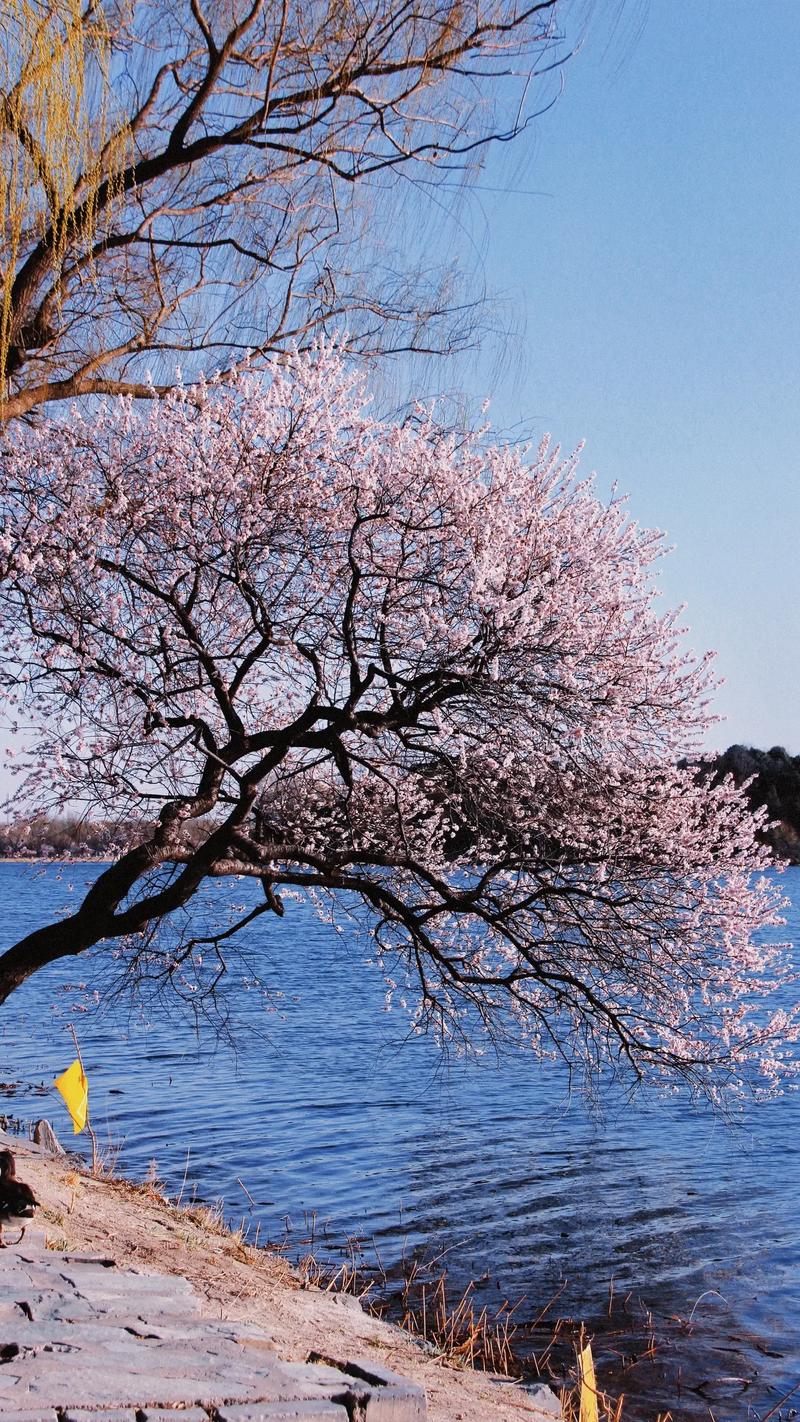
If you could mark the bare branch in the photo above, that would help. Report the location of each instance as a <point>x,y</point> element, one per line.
<point>214,183</point>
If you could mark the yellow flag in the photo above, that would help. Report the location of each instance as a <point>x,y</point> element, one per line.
<point>588,1407</point>
<point>74,1088</point>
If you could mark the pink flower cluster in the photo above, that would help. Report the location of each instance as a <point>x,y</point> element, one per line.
<point>416,674</point>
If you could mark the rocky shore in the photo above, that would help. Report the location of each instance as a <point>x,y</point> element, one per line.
<point>137,1228</point>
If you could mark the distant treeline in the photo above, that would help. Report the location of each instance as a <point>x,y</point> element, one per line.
<point>776,785</point>
<point>55,837</point>
<point>68,837</point>
<point>774,776</point>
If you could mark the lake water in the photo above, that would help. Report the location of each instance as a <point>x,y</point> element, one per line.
<point>327,1110</point>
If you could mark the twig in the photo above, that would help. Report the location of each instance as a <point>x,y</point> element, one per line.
<point>246,1191</point>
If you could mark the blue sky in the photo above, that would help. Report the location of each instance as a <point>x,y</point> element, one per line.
<point>648,236</point>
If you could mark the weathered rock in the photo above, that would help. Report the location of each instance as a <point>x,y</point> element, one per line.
<point>545,1399</point>
<point>301,1411</point>
<point>142,1414</point>
<point>160,1414</point>
<point>95,1343</point>
<point>34,1415</point>
<point>113,1414</point>
<point>45,1136</point>
<point>29,1241</point>
<point>383,1396</point>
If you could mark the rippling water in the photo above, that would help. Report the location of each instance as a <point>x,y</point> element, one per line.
<point>326,1108</point>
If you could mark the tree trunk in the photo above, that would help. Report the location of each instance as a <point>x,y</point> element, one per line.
<point>46,945</point>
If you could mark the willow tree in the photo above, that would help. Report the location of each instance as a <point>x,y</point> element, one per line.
<point>421,678</point>
<point>181,180</point>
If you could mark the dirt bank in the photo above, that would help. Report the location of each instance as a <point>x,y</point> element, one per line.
<point>136,1226</point>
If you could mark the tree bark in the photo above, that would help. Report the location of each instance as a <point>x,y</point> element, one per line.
<point>64,939</point>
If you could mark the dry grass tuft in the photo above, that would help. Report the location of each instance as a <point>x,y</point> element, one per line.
<point>460,1330</point>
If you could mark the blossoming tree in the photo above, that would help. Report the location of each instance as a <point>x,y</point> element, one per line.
<point>417,675</point>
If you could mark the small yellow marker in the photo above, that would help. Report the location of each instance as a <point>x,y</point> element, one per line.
<point>588,1384</point>
<point>74,1087</point>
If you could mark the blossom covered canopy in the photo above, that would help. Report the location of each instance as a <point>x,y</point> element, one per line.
<point>417,674</point>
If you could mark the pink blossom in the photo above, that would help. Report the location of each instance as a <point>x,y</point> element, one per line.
<point>420,676</point>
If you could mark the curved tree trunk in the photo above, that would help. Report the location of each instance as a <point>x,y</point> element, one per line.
<point>63,939</point>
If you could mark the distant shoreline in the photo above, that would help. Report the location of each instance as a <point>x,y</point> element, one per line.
<point>38,859</point>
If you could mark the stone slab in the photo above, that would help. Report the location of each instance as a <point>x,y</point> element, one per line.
<point>103,1261</point>
<point>302,1411</point>
<point>54,1385</point>
<point>104,1284</point>
<point>10,1312</point>
<point>129,1414</point>
<point>382,1395</point>
<point>113,1414</point>
<point>86,1341</point>
<point>314,1380</point>
<point>59,1304</point>
<point>48,1415</point>
<point>160,1414</point>
<point>33,1241</point>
